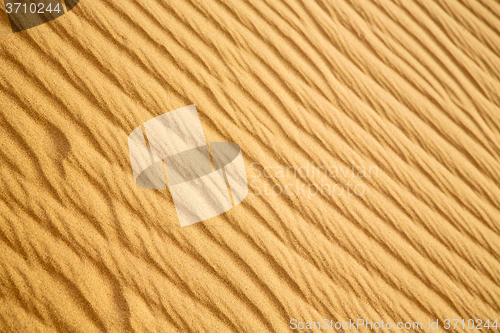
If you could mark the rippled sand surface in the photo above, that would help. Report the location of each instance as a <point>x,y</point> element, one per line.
<point>408,87</point>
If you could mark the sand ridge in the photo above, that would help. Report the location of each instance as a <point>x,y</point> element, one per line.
<point>410,87</point>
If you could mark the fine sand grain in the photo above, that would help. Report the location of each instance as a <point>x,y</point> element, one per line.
<point>408,89</point>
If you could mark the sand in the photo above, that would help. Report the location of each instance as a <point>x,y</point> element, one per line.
<point>410,89</point>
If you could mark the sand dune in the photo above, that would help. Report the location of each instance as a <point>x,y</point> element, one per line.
<point>408,88</point>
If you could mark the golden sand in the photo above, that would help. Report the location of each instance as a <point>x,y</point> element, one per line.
<point>410,87</point>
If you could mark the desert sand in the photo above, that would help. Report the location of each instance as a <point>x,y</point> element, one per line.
<point>408,88</point>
